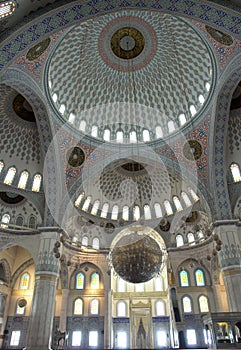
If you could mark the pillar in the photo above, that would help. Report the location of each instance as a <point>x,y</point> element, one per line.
<point>43,304</point>
<point>230,261</point>
<point>63,312</point>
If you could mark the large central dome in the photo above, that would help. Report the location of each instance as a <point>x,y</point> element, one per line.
<point>130,76</point>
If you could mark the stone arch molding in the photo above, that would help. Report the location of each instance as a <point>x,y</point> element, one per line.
<point>217,162</point>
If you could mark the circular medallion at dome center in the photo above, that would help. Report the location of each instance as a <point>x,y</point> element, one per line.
<point>127,43</point>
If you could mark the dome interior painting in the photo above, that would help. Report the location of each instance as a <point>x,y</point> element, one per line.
<point>120,174</point>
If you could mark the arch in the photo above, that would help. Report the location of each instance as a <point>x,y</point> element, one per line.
<point>147,212</point>
<point>94,131</point>
<point>179,240</point>
<point>36,182</point>
<point>71,118</point>
<point>203,303</point>
<point>85,241</point>
<point>23,179</point>
<point>190,238</point>
<point>187,304</point>
<point>32,221</point>
<point>158,210</point>
<point>177,203</point>
<point>235,170</point>
<point>171,126</point>
<point>136,212</point>
<point>24,281</point>
<point>199,278</point>
<point>19,310</point>
<point>146,135</point>
<point>94,307</point>
<point>193,195</point>
<point>5,220</point>
<point>79,199</point>
<point>186,199</point>
<point>114,213</point>
<point>86,203</point>
<point>182,119</point>
<point>104,210</point>
<point>95,280</point>
<point>96,243</point>
<point>159,132</point>
<point>184,278</point>
<point>19,220</point>
<point>1,166</point>
<point>121,309</point>
<point>106,135</point>
<point>120,136</point>
<point>168,207</point>
<point>125,213</point>
<point>78,306</point>
<point>8,180</point>
<point>133,136</point>
<point>80,281</point>
<point>95,207</point>
<point>82,125</point>
<point>5,271</point>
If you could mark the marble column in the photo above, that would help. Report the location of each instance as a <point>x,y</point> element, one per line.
<point>230,261</point>
<point>108,332</point>
<point>63,312</point>
<point>43,304</point>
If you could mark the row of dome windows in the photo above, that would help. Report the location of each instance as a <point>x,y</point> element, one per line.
<point>19,222</point>
<point>132,136</point>
<point>23,179</point>
<point>190,238</point>
<point>85,204</point>
<point>6,8</point>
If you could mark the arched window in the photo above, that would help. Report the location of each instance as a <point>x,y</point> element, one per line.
<point>19,220</point>
<point>199,277</point>
<point>193,110</point>
<point>36,182</point>
<point>207,86</point>
<point>106,135</point>
<point>1,166</point>
<point>86,204</point>
<point>190,238</point>
<point>235,170</point>
<point>193,194</point>
<point>146,135</point>
<point>171,126</point>
<point>96,243</point>
<point>10,176</point>
<point>125,213</point>
<point>177,203</point>
<point>136,212</point>
<point>94,307</point>
<point>79,199</point>
<point>200,235</point>
<point>20,310</point>
<point>80,281</point>
<point>159,132</point>
<point>24,281</point>
<point>182,119</point>
<point>158,210</point>
<point>5,220</point>
<point>94,131</point>
<point>158,284</point>
<point>160,308</point>
<point>114,214</point>
<point>32,222</point>
<point>121,285</point>
<point>147,212</point>
<point>179,240</point>
<point>55,97</point>
<point>104,210</point>
<point>168,207</point>
<point>201,99</point>
<point>85,241</point>
<point>23,179</point>
<point>186,199</point>
<point>95,281</point>
<point>120,136</point>
<point>82,125</point>
<point>184,278</point>
<point>78,307</point>
<point>6,8</point>
<point>187,304</point>
<point>121,309</point>
<point>133,137</point>
<point>203,303</point>
<point>62,108</point>
<point>72,117</point>
<point>95,207</point>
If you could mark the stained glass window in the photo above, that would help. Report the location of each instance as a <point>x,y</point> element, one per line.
<point>95,280</point>
<point>24,282</point>
<point>203,303</point>
<point>184,278</point>
<point>78,307</point>
<point>199,275</point>
<point>80,280</point>
<point>187,304</point>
